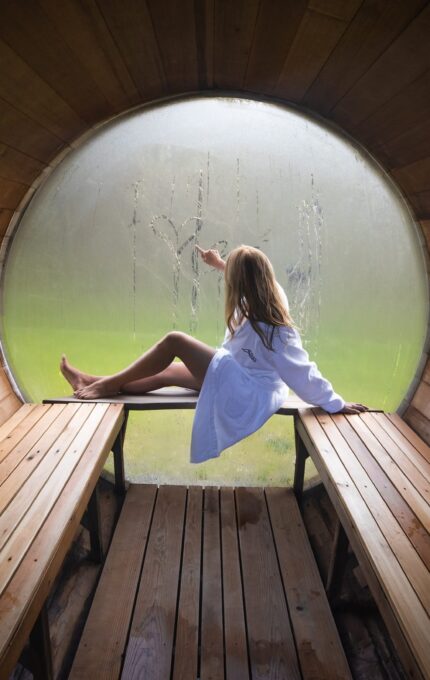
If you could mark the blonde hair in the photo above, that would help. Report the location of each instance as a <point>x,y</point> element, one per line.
<point>251,293</point>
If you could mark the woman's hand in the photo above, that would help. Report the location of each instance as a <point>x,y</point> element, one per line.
<point>353,408</point>
<point>211,257</point>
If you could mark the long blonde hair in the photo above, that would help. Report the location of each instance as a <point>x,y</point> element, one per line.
<point>251,293</point>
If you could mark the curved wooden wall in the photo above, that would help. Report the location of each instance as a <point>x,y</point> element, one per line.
<point>66,65</point>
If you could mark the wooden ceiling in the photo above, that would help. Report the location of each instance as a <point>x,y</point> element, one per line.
<point>66,65</point>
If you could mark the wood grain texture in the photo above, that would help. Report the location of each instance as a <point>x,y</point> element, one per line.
<point>131,26</point>
<point>389,584</point>
<point>371,31</point>
<point>185,662</point>
<point>24,596</point>
<point>234,25</point>
<point>270,639</point>
<point>30,32</point>
<point>100,650</point>
<point>302,65</point>
<point>389,75</point>
<point>212,643</point>
<point>236,649</point>
<point>29,93</point>
<point>150,645</point>
<point>174,28</point>
<point>310,614</point>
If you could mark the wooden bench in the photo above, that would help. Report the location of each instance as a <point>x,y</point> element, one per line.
<point>199,583</point>
<point>168,398</point>
<point>50,459</point>
<point>377,473</point>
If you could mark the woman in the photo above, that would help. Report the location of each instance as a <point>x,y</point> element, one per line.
<point>243,383</point>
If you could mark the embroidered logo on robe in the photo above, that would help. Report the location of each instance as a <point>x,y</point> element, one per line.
<point>249,353</point>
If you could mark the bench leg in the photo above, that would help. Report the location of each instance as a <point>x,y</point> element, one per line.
<point>93,524</point>
<point>299,470</point>
<point>118,459</point>
<point>338,561</point>
<point>40,648</point>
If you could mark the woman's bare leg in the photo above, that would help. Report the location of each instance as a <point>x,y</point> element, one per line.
<point>175,375</point>
<point>195,355</point>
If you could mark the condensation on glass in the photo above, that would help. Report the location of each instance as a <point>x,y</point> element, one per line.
<point>103,262</point>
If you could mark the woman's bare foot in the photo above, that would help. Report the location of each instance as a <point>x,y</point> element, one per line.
<point>96,390</point>
<point>76,378</point>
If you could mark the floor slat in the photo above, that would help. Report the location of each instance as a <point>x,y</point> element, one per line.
<point>317,640</point>
<point>187,627</point>
<point>212,646</point>
<point>149,651</point>
<point>108,623</point>
<point>236,651</point>
<point>271,644</point>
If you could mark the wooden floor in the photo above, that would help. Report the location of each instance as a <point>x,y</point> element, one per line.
<point>210,583</point>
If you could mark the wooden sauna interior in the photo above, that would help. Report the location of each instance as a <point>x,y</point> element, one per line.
<point>66,66</point>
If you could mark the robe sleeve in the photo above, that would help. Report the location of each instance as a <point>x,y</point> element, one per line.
<point>292,364</point>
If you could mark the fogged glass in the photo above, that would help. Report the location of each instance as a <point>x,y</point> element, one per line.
<point>103,263</point>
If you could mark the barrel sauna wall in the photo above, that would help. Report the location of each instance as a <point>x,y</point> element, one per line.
<point>364,65</point>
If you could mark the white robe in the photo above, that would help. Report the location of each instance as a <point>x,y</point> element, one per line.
<point>246,383</point>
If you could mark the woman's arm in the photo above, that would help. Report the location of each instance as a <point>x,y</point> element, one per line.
<point>212,258</point>
<point>302,375</point>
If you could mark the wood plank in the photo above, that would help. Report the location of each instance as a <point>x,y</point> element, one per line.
<point>414,465</point>
<point>82,28</point>
<point>204,20</point>
<point>25,435</point>
<point>8,405</point>
<point>415,569</point>
<point>21,488</point>
<point>150,645</point>
<point>369,34</point>
<point>415,176</point>
<point>174,27</point>
<point>5,218</point>
<point>418,422</point>
<point>22,600</point>
<point>389,75</point>
<point>18,167</point>
<point>421,454</point>
<point>212,647</point>
<point>275,28</point>
<point>302,64</point>
<point>318,645</point>
<point>28,92</point>
<point>104,637</point>
<point>234,24</point>
<point>394,499</point>
<point>409,434</point>
<point>26,135</point>
<point>31,33</point>
<point>131,27</point>
<point>11,193</point>
<point>420,203</point>
<point>271,644</point>
<point>370,546</point>
<point>168,398</point>
<point>425,226</point>
<point>405,110</point>
<point>20,541</point>
<point>15,419</point>
<point>185,662</point>
<point>236,651</point>
<point>408,147</point>
<point>24,440</point>
<point>401,479</point>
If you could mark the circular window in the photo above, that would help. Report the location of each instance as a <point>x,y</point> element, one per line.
<point>103,263</point>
